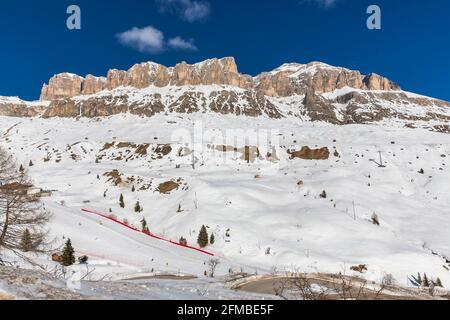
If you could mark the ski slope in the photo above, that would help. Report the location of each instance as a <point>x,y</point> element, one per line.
<point>105,240</point>
<point>261,217</point>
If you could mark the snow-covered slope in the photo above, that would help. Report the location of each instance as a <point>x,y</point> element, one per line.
<point>262,217</point>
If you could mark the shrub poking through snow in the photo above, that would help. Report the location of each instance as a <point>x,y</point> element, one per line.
<point>68,257</point>
<point>183,241</point>
<point>323,195</point>
<point>121,201</point>
<point>375,219</point>
<point>203,237</point>
<point>421,171</point>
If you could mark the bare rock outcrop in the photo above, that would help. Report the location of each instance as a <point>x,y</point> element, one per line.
<point>63,85</point>
<point>17,108</point>
<point>288,80</point>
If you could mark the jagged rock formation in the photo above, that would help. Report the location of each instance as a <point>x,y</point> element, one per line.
<point>288,80</point>
<point>314,92</point>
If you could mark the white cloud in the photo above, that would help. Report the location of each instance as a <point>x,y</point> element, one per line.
<point>323,3</point>
<point>189,10</point>
<point>146,40</point>
<point>179,43</point>
<point>151,40</point>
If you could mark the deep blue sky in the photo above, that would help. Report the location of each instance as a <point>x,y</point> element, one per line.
<point>413,48</point>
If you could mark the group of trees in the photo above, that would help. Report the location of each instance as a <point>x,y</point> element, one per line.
<point>204,239</point>
<point>22,218</point>
<point>137,207</point>
<point>425,282</point>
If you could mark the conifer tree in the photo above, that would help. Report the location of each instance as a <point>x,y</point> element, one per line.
<point>203,238</point>
<point>133,188</point>
<point>137,207</point>
<point>144,225</point>
<point>323,194</point>
<point>419,279</point>
<point>426,282</point>
<point>26,244</point>
<point>439,283</point>
<point>31,164</point>
<point>21,169</point>
<point>121,201</point>
<point>212,240</point>
<point>68,257</point>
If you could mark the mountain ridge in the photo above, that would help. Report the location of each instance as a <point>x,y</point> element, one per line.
<point>309,92</point>
<point>286,80</point>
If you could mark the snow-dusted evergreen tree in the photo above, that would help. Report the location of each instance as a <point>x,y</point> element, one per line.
<point>68,257</point>
<point>425,282</point>
<point>121,201</point>
<point>203,237</point>
<point>144,225</point>
<point>212,239</point>
<point>137,207</point>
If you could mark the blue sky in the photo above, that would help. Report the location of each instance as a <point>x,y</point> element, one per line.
<point>412,48</point>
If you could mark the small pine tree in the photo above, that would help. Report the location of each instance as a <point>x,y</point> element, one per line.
<point>68,257</point>
<point>439,283</point>
<point>203,238</point>
<point>212,240</point>
<point>419,279</point>
<point>421,171</point>
<point>121,201</point>
<point>133,188</point>
<point>26,244</point>
<point>323,195</point>
<point>144,225</point>
<point>31,164</point>
<point>21,169</point>
<point>425,282</point>
<point>179,209</point>
<point>137,207</point>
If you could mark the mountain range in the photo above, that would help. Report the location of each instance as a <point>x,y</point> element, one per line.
<point>311,92</point>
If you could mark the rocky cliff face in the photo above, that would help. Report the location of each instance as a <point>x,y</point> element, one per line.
<point>14,107</point>
<point>314,92</point>
<point>288,80</point>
